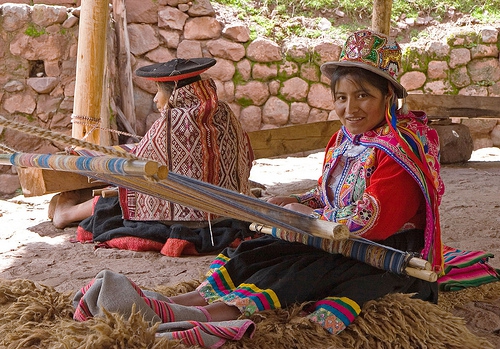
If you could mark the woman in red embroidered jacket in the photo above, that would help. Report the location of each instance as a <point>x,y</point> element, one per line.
<point>380,178</point>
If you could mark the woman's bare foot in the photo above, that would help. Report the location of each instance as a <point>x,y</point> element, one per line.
<point>52,206</point>
<point>72,206</point>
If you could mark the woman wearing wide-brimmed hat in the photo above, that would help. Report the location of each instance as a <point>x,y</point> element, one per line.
<point>380,178</point>
<point>197,136</point>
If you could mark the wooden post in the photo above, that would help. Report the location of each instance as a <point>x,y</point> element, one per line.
<point>381,18</point>
<point>124,66</point>
<point>90,67</point>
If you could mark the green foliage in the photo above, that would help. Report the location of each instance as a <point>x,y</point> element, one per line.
<point>486,83</point>
<point>280,19</point>
<point>415,59</point>
<point>34,30</point>
<point>238,78</point>
<point>244,102</point>
<point>483,10</point>
<point>28,117</point>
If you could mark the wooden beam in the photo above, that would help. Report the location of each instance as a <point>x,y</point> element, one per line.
<point>381,16</point>
<point>126,106</point>
<point>37,182</point>
<point>90,63</point>
<point>447,106</point>
<point>292,139</point>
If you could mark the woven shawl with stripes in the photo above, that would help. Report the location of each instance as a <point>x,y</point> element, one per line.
<point>197,136</point>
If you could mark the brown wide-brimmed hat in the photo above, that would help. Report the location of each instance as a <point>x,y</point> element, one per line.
<point>372,51</point>
<point>176,69</point>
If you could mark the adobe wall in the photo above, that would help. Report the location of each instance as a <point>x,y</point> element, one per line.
<point>266,85</point>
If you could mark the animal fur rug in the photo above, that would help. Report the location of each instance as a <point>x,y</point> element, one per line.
<point>37,316</point>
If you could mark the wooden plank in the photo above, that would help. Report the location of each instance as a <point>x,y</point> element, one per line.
<point>37,182</point>
<point>292,139</point>
<point>447,106</point>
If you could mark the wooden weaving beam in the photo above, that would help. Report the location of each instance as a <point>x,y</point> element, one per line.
<point>417,267</point>
<point>74,163</point>
<point>223,202</point>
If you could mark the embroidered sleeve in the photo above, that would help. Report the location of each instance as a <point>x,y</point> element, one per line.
<point>391,199</point>
<point>310,198</point>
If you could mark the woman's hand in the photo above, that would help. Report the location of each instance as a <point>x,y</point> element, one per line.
<point>282,200</point>
<point>291,204</point>
<point>295,206</point>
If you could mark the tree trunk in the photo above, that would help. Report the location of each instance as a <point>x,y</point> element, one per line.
<point>381,19</point>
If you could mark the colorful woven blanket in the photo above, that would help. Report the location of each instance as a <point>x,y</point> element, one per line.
<point>466,269</point>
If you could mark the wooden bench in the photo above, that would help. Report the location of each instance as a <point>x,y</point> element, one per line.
<point>439,107</point>
<point>292,139</point>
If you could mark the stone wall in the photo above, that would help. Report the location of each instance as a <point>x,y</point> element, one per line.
<point>467,63</point>
<point>266,85</point>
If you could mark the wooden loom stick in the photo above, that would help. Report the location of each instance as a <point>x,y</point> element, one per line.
<point>70,163</point>
<point>414,262</point>
<point>413,269</point>
<point>190,192</point>
<point>105,193</point>
<point>298,221</point>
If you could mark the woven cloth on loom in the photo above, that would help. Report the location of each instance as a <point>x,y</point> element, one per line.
<point>466,269</point>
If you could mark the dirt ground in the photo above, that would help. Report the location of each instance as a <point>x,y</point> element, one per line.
<point>31,248</point>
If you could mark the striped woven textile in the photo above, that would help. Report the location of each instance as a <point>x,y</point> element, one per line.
<point>335,313</point>
<point>359,249</point>
<point>206,334</point>
<point>466,269</point>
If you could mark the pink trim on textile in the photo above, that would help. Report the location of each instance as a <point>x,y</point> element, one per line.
<point>161,308</point>
<point>205,311</point>
<point>82,312</point>
<point>194,336</point>
<point>229,332</point>
<point>338,307</point>
<point>472,272</point>
<point>260,295</point>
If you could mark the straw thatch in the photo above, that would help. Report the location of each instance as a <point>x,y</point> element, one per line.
<point>38,316</point>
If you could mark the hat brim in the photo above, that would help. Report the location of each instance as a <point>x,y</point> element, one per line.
<point>329,68</point>
<point>175,70</point>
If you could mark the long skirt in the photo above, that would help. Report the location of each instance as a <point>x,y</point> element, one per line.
<point>269,273</point>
